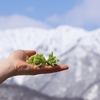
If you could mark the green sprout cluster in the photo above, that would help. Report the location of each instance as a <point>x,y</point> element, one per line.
<point>39,60</point>
<point>52,60</point>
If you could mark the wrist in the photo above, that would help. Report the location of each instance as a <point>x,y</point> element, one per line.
<point>6,70</point>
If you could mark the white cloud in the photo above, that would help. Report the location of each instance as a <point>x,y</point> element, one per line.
<point>18,21</point>
<point>85,13</point>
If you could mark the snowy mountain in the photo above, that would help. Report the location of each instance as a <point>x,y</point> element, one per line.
<point>23,93</point>
<point>78,48</point>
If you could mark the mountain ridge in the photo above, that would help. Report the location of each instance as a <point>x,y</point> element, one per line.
<point>76,47</point>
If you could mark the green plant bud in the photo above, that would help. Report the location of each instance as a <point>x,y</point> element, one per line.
<point>52,60</point>
<point>39,60</point>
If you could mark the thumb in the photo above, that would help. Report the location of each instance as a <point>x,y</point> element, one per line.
<point>30,52</point>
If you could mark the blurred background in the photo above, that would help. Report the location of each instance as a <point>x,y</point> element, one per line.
<point>70,29</point>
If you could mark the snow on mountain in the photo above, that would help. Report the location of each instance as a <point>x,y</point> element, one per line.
<point>78,48</point>
<point>23,93</point>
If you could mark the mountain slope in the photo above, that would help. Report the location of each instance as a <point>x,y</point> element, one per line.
<point>77,48</point>
<point>23,93</point>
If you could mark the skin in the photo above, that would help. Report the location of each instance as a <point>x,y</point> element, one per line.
<point>16,64</point>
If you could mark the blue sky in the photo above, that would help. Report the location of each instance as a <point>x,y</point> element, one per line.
<point>38,9</point>
<point>49,13</point>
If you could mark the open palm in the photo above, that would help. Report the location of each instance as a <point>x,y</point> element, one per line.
<point>18,59</point>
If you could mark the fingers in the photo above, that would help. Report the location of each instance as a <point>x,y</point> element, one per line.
<point>48,69</point>
<point>27,69</point>
<point>30,52</point>
<point>52,69</point>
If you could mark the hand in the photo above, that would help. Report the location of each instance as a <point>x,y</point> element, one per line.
<point>18,59</point>
<point>16,64</point>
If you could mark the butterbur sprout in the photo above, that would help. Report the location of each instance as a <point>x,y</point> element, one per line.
<point>39,60</point>
<point>52,60</point>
